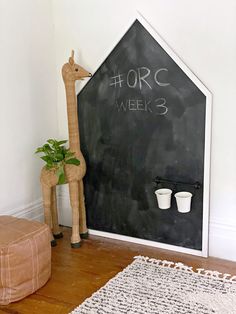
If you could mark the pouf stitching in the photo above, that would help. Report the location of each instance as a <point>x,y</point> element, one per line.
<point>5,256</point>
<point>24,236</point>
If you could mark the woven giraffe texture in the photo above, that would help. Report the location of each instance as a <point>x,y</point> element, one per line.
<point>151,286</point>
<point>71,72</point>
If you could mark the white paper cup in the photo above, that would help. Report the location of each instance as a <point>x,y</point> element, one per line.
<point>163,198</point>
<point>183,200</point>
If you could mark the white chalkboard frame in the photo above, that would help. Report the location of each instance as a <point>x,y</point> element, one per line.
<point>207,157</point>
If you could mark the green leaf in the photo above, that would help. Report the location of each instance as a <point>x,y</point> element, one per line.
<point>55,154</point>
<point>59,157</point>
<point>62,179</point>
<point>47,149</point>
<point>47,159</point>
<point>51,141</point>
<point>69,154</point>
<point>61,175</point>
<point>61,142</point>
<point>50,166</point>
<point>39,150</point>
<point>73,161</point>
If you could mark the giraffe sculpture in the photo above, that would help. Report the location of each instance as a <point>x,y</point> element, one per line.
<point>71,72</point>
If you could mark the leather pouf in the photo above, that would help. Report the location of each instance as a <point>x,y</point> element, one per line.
<point>25,257</point>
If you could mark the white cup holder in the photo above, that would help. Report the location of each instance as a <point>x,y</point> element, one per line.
<point>163,198</point>
<point>183,200</point>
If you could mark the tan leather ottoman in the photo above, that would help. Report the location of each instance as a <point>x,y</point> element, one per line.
<point>25,257</point>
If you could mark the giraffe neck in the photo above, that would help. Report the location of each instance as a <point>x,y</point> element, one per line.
<point>72,115</point>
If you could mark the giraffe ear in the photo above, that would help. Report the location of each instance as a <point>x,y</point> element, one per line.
<point>71,59</point>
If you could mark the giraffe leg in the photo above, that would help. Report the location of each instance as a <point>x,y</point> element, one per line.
<point>82,212</point>
<point>55,227</point>
<point>46,192</point>
<point>74,201</point>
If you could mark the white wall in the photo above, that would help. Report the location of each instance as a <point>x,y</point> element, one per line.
<point>28,111</point>
<point>202,33</point>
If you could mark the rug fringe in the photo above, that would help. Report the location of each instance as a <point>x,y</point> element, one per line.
<point>201,271</point>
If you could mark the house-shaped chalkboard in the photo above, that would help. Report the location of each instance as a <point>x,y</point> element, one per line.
<point>144,114</point>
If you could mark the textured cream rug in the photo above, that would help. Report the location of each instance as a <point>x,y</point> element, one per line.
<point>162,287</point>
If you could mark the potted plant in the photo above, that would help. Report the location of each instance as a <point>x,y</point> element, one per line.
<point>56,155</point>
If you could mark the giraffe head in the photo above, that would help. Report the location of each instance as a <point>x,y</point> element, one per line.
<point>72,71</point>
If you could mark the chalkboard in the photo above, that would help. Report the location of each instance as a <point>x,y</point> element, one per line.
<point>141,116</point>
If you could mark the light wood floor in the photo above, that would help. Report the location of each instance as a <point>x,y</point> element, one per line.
<point>77,273</point>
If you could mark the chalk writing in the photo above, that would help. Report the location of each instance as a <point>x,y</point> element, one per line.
<point>139,78</point>
<point>157,107</point>
<point>132,81</point>
<point>117,80</point>
<point>143,76</point>
<point>162,103</point>
<point>133,105</point>
<point>156,79</point>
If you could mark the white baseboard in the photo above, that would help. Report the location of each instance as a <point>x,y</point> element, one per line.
<point>222,235</point>
<point>222,240</point>
<point>31,211</point>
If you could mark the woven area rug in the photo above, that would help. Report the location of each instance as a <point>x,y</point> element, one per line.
<point>162,287</point>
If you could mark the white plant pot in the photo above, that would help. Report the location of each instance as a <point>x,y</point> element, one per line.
<point>183,200</point>
<point>163,198</point>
